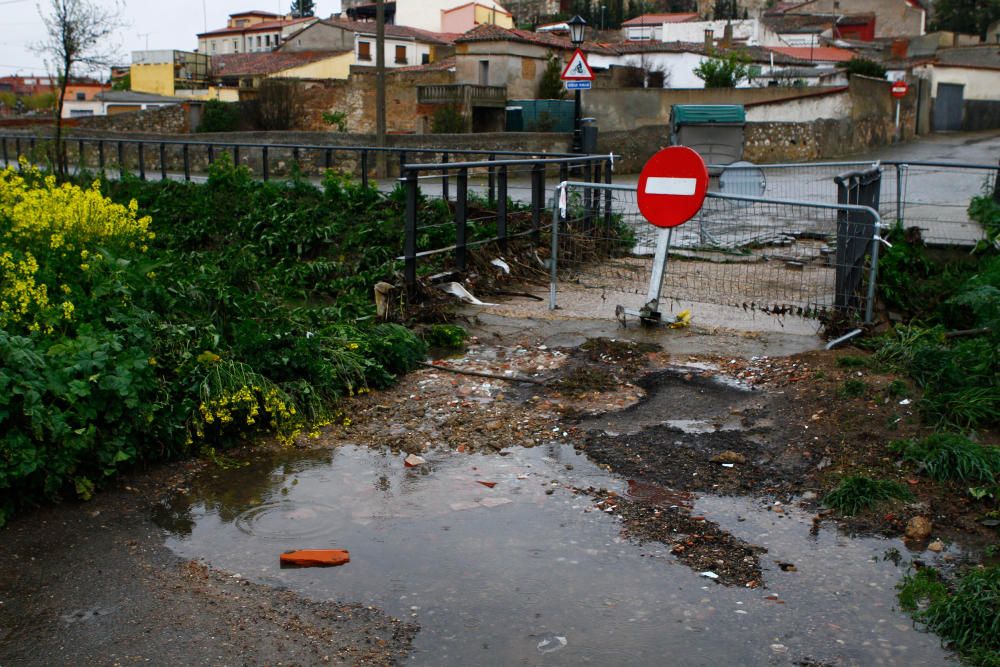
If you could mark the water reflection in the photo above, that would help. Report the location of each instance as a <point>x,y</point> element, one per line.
<point>515,575</point>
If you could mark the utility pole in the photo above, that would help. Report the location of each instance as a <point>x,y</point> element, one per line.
<point>380,168</point>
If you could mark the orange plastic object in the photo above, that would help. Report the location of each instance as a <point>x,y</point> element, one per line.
<point>315,557</point>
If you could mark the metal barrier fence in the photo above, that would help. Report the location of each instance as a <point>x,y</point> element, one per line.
<point>780,257</point>
<point>933,196</point>
<point>185,160</point>
<point>493,202</point>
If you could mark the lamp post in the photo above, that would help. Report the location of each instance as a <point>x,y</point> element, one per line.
<point>577,28</point>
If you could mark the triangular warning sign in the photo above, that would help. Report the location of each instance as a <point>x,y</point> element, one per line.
<point>578,69</point>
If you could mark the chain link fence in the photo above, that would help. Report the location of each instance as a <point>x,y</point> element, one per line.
<point>778,257</point>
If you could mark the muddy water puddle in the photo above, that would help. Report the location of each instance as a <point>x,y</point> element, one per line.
<point>527,572</point>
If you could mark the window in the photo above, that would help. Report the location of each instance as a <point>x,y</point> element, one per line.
<point>267,40</point>
<point>215,47</point>
<point>484,72</point>
<point>236,46</point>
<point>364,50</point>
<point>81,97</point>
<point>425,59</point>
<point>260,42</point>
<point>400,55</point>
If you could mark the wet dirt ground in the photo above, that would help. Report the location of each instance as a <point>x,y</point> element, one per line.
<point>640,499</point>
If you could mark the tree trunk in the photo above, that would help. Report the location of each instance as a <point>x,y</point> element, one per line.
<point>60,147</point>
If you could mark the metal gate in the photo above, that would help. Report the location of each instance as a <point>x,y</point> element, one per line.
<point>773,256</point>
<point>948,107</point>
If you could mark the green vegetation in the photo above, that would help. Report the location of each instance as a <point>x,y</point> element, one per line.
<point>448,119</point>
<point>851,361</point>
<point>219,117</point>
<point>550,86</point>
<point>724,70</point>
<point>865,67</point>
<point>947,456</point>
<point>966,614</point>
<point>446,336</point>
<point>853,388</point>
<point>858,493</point>
<point>336,119</point>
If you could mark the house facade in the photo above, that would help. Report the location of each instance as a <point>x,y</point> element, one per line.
<point>166,72</point>
<point>428,14</point>
<point>465,17</point>
<point>250,32</point>
<point>893,18</point>
<point>650,27</point>
<point>404,46</point>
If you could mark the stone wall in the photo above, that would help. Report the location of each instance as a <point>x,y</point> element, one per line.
<point>173,119</point>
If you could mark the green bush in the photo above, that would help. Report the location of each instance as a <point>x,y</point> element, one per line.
<point>865,67</point>
<point>447,336</point>
<point>947,456</point>
<point>967,615</point>
<point>219,116</point>
<point>858,493</point>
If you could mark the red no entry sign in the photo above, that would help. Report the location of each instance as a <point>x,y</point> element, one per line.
<point>899,89</point>
<point>672,186</point>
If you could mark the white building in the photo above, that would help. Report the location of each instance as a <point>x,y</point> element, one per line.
<point>250,32</point>
<point>426,14</point>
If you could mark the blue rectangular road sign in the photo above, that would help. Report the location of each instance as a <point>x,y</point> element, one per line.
<point>579,85</point>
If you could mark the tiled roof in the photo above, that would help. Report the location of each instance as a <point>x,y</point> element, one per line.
<point>257,27</point>
<point>251,64</point>
<point>986,56</point>
<point>397,31</point>
<point>443,65</point>
<point>656,19</point>
<point>815,53</point>
<point>799,23</point>
<point>494,33</point>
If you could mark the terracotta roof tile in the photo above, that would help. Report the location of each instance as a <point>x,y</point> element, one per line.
<point>656,19</point>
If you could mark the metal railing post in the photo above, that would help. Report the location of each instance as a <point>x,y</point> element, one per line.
<point>492,178</point>
<point>187,161</point>
<point>295,158</point>
<point>121,159</point>
<point>211,154</point>
<point>402,162</point>
<point>265,163</point>
<point>17,151</point>
<point>6,159</point>
<point>410,242</point>
<point>81,163</point>
<point>328,159</point>
<point>236,155</point>
<point>163,161</point>
<point>142,160</point>
<point>461,218</point>
<point>588,204</point>
<point>537,199</point>
<point>873,274</point>
<point>899,194</point>
<point>607,193</point>
<point>557,194</point>
<point>100,155</point>
<point>364,169</point>
<point>996,184</point>
<point>444,178</point>
<point>502,209</point>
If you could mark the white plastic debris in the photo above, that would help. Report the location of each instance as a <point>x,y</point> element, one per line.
<point>457,289</point>
<point>905,401</point>
<point>502,265</point>
<point>709,575</point>
<point>551,643</point>
<point>413,460</point>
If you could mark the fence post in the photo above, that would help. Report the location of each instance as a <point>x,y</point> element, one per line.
<point>100,155</point>
<point>236,155</point>
<point>607,193</point>
<point>502,209</point>
<point>6,160</point>
<point>588,204</point>
<point>295,157</point>
<point>444,178</point>
<point>265,164</point>
<point>563,172</point>
<point>410,242</point>
<point>187,162</point>
<point>328,159</point>
<point>163,161</point>
<point>537,198</point>
<point>121,159</point>
<point>492,188</point>
<point>364,169</point>
<point>899,193</point>
<point>142,160</point>
<point>211,154</point>
<point>17,151</point>
<point>402,163</point>
<point>557,193</point>
<point>461,218</point>
<point>82,162</point>
<point>996,185</point>
<point>873,276</point>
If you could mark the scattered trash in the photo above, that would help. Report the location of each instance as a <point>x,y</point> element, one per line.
<point>683,319</point>
<point>728,465</point>
<point>905,401</point>
<point>315,558</point>
<point>457,289</point>
<point>728,456</point>
<point>787,567</point>
<point>502,265</point>
<point>551,643</point>
<point>709,575</point>
<point>937,546</point>
<point>413,461</point>
<point>488,485</point>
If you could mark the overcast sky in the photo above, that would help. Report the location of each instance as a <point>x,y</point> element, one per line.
<point>166,24</point>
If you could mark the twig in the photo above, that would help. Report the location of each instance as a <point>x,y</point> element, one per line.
<point>968,333</point>
<point>515,378</point>
<point>524,294</point>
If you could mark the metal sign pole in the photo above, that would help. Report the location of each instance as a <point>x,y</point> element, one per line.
<point>898,133</point>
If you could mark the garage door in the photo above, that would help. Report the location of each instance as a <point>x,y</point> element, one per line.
<point>948,107</point>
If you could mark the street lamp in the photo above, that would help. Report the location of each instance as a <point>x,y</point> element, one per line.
<point>577,28</point>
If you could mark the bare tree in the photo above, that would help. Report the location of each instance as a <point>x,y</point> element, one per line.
<point>77,34</point>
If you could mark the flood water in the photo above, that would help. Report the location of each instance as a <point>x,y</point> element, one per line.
<point>512,575</point>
